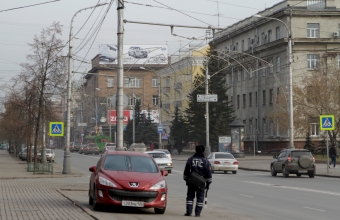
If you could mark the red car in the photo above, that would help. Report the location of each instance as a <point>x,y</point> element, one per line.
<point>123,178</point>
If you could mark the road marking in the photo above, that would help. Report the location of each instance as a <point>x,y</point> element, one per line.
<point>246,195</point>
<point>294,188</point>
<point>320,210</point>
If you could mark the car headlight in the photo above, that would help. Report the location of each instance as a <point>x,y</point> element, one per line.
<point>169,164</point>
<point>159,185</point>
<point>106,182</point>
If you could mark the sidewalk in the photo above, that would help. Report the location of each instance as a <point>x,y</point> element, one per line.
<point>25,195</point>
<point>262,163</point>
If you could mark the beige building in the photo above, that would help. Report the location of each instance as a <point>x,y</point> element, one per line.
<point>256,48</point>
<point>177,81</point>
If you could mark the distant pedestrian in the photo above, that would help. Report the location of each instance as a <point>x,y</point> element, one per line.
<point>332,155</point>
<point>156,145</point>
<point>152,146</point>
<point>197,165</point>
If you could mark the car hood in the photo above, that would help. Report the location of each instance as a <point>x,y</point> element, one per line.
<point>162,160</point>
<point>145,180</point>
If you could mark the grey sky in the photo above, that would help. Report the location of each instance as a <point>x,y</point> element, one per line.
<point>18,27</point>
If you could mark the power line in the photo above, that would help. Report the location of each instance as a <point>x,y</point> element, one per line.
<point>29,6</point>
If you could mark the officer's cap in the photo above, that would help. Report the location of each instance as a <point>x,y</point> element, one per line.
<point>200,149</point>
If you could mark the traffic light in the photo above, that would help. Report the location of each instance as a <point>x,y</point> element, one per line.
<point>96,132</point>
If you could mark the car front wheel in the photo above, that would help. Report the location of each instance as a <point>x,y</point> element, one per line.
<point>272,171</point>
<point>160,211</point>
<point>234,172</point>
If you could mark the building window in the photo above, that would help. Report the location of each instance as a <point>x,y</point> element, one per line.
<point>244,74</point>
<point>232,102</point>
<point>270,38</point>
<point>314,129</point>
<point>245,126</point>
<point>244,100</point>
<point>313,61</point>
<point>250,126</point>
<point>264,126</point>
<point>277,128</point>
<point>264,69</point>
<point>264,97</point>
<point>271,96</point>
<point>312,30</point>
<point>133,100</point>
<point>277,30</point>
<point>277,94</point>
<point>132,82</point>
<point>339,61</point>
<point>110,81</point>
<point>255,98</point>
<point>154,82</point>
<point>339,29</point>
<point>238,76</point>
<point>250,99</point>
<point>249,43</point>
<point>250,73</point>
<point>278,64</point>
<point>242,45</point>
<point>271,128</point>
<point>155,100</point>
<point>236,46</point>
<point>271,66</point>
<point>238,101</point>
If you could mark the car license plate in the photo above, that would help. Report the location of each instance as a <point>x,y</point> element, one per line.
<point>302,171</point>
<point>227,163</point>
<point>132,204</point>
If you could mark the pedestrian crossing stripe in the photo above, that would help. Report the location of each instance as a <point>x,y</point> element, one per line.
<point>327,122</point>
<point>56,129</point>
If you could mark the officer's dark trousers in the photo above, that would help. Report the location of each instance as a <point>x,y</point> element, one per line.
<point>199,199</point>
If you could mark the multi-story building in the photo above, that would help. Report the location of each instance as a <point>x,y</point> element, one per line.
<point>257,49</point>
<point>100,88</point>
<point>177,82</point>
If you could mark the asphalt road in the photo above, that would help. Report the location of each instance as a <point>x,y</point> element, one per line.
<point>246,195</point>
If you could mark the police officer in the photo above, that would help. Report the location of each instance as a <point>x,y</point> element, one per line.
<point>199,164</point>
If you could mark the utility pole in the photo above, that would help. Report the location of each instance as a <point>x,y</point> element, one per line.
<point>207,77</point>
<point>43,150</point>
<point>134,115</point>
<point>159,110</point>
<point>120,76</point>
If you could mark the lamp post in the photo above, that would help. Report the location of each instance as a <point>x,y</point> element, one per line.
<point>67,154</point>
<point>291,113</point>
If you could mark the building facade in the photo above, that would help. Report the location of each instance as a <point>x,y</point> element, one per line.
<point>256,48</point>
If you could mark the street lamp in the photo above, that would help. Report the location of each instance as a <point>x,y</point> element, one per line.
<point>67,154</point>
<point>291,113</point>
<point>159,105</point>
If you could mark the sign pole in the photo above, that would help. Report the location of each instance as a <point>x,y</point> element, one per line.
<point>327,123</point>
<point>327,152</point>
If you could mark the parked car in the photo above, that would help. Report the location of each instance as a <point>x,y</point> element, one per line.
<point>50,155</point>
<point>74,146</point>
<point>168,154</point>
<point>24,154</point>
<point>91,148</point>
<point>53,146</point>
<point>129,179</point>
<point>109,146</point>
<point>163,162</point>
<point>293,161</point>
<point>82,148</point>
<point>138,52</point>
<point>221,161</point>
<point>23,150</point>
<point>140,147</point>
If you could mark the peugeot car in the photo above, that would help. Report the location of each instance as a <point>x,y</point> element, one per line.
<point>132,179</point>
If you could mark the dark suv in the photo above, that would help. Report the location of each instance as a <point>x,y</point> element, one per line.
<point>293,161</point>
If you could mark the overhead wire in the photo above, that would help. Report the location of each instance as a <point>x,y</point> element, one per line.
<point>29,5</point>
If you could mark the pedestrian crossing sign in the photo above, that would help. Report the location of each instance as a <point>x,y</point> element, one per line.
<point>326,122</point>
<point>56,129</point>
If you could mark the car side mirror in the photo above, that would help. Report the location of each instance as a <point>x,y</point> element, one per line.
<point>164,172</point>
<point>274,156</point>
<point>92,169</point>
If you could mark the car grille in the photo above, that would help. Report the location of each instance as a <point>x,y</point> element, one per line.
<point>162,164</point>
<point>138,196</point>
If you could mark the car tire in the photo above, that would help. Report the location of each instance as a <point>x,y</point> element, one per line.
<point>311,174</point>
<point>285,174</point>
<point>298,174</point>
<point>225,172</point>
<point>90,199</point>
<point>234,172</point>
<point>272,171</point>
<point>96,206</point>
<point>160,211</point>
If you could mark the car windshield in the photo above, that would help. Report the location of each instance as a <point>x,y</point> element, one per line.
<point>224,156</point>
<point>165,151</point>
<point>300,153</point>
<point>157,155</point>
<point>130,163</point>
<point>139,146</point>
<point>48,151</point>
<point>110,145</point>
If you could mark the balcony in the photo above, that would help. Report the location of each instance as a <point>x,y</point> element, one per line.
<point>178,86</point>
<point>316,4</point>
<point>166,90</point>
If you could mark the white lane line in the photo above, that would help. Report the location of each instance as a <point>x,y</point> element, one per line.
<point>294,188</point>
<point>320,210</point>
<point>246,196</point>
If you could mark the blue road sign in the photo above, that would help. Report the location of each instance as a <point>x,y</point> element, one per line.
<point>160,128</point>
<point>326,122</point>
<point>56,129</point>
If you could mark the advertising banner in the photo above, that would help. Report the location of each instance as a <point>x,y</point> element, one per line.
<point>134,54</point>
<point>224,144</point>
<point>113,116</point>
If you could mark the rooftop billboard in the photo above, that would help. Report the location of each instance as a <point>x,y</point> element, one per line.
<point>134,54</point>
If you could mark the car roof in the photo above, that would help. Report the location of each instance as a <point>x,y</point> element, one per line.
<point>131,153</point>
<point>154,151</point>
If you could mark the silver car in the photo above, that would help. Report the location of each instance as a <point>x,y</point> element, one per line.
<point>221,161</point>
<point>91,149</point>
<point>140,147</point>
<point>163,162</point>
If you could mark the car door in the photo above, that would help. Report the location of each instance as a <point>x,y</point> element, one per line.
<point>280,160</point>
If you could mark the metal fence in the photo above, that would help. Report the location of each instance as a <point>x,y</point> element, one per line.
<point>40,168</point>
<point>316,4</point>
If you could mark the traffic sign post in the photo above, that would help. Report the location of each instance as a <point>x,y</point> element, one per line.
<point>56,129</point>
<point>327,124</point>
<point>160,128</point>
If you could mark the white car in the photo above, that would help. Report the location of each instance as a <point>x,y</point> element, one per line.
<point>140,147</point>
<point>221,161</point>
<point>168,154</point>
<point>163,162</point>
<point>50,156</point>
